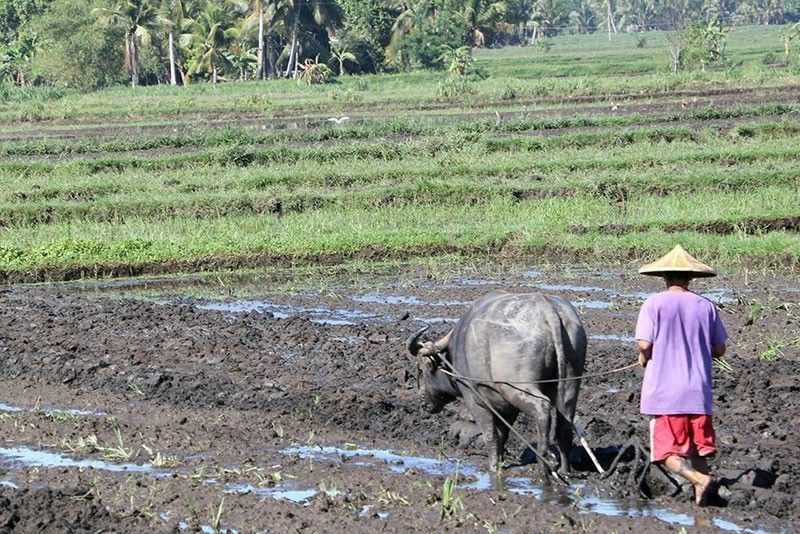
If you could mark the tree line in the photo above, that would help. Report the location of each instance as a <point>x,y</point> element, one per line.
<point>89,44</point>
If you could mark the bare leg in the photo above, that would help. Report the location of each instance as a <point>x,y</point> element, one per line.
<point>700,480</point>
<point>700,463</point>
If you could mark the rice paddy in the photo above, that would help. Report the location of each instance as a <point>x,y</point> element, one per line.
<point>591,151</point>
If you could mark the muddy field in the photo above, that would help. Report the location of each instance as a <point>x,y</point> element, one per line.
<point>280,405</point>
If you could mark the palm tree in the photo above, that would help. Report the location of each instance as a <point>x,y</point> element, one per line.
<point>212,32</point>
<point>640,14</point>
<point>304,14</point>
<point>583,16</point>
<point>550,15</point>
<point>789,34</point>
<point>258,11</point>
<point>411,14</point>
<point>139,17</point>
<point>268,16</point>
<point>173,15</point>
<point>258,7</point>
<point>483,15</point>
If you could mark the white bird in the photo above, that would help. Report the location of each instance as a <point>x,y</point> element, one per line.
<point>338,120</point>
<point>497,119</point>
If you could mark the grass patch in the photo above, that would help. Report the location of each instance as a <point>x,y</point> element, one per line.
<point>242,175</point>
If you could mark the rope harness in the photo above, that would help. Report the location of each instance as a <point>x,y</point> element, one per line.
<point>502,419</point>
<point>469,381</point>
<point>454,374</point>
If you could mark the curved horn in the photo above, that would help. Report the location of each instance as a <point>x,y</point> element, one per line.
<point>444,342</point>
<point>413,344</point>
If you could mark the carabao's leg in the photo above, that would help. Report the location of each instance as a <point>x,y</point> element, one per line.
<point>564,443</point>
<point>501,430</point>
<point>564,428</point>
<point>493,434</point>
<point>537,407</point>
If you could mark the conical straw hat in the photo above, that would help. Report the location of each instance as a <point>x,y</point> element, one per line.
<point>678,261</point>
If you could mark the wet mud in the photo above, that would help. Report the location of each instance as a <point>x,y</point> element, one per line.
<point>670,104</point>
<point>281,404</point>
<point>752,225</point>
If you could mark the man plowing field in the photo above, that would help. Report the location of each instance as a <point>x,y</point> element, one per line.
<point>678,333</point>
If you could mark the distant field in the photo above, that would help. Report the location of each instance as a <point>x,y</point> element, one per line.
<point>592,151</point>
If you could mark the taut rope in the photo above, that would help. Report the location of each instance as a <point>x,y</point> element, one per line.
<point>458,376</point>
<point>510,383</point>
<point>502,419</point>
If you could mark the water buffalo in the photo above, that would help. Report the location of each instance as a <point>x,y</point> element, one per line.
<point>505,343</point>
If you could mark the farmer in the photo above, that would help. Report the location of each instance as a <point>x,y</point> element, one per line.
<point>678,333</point>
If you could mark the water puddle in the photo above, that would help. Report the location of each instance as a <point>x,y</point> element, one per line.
<point>718,296</point>
<point>365,511</point>
<point>476,282</point>
<point>474,478</point>
<point>19,457</point>
<point>570,287</point>
<point>612,337</point>
<point>280,493</point>
<point>388,299</point>
<point>470,476</point>
<point>296,496</point>
<point>329,316</point>
<point>350,340</point>
<point>733,527</point>
<point>183,526</point>
<point>333,316</point>
<point>605,507</point>
<point>431,320</point>
<point>303,497</point>
<point>592,304</point>
<point>397,463</point>
<point>16,457</point>
<point>375,298</point>
<point>49,411</point>
<point>611,508</point>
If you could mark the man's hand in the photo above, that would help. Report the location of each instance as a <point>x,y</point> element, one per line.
<point>645,351</point>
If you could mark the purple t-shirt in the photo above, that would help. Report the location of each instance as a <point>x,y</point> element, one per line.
<point>683,327</point>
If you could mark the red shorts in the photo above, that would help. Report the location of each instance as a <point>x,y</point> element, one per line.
<point>682,435</point>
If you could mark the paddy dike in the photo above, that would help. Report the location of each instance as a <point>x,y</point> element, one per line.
<point>281,404</point>
<point>695,104</point>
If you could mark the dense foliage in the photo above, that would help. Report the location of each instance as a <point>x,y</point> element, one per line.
<point>88,44</point>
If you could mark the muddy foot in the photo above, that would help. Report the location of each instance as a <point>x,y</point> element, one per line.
<point>702,491</point>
